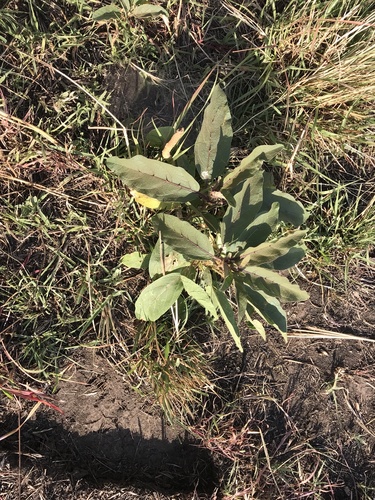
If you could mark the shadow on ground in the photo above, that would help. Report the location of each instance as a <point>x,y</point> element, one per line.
<point>118,456</point>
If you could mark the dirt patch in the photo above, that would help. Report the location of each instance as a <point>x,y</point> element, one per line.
<point>304,409</point>
<point>303,412</point>
<point>108,434</point>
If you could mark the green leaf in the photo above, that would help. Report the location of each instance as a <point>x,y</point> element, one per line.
<point>228,315</point>
<point>184,161</point>
<point>148,10</point>
<point>166,262</point>
<point>135,260</point>
<point>206,278</point>
<point>291,210</point>
<point>249,166</point>
<point>197,293</point>
<point>158,137</point>
<point>242,300</point>
<point>257,325</point>
<point>212,147</point>
<point>155,179</point>
<point>267,307</point>
<point>158,297</point>
<point>274,284</point>
<point>183,237</point>
<point>269,251</point>
<point>106,13</point>
<point>247,205</point>
<point>290,259</point>
<point>257,231</point>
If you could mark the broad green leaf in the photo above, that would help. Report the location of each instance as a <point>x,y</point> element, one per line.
<point>267,307</point>
<point>212,222</point>
<point>158,297</point>
<point>212,147</point>
<point>183,237</point>
<point>155,179</point>
<point>197,293</point>
<point>158,137</point>
<point>135,260</point>
<point>187,163</point>
<point>242,300</point>
<point>249,166</point>
<point>228,280</point>
<point>247,205</point>
<point>166,261</point>
<point>228,315</point>
<point>148,10</point>
<point>107,13</point>
<point>257,231</point>
<point>291,210</point>
<point>269,251</point>
<point>274,284</point>
<point>290,259</point>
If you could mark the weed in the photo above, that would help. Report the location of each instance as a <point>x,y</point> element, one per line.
<point>296,73</point>
<point>236,249</point>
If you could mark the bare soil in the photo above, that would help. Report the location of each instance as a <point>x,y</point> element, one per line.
<point>112,443</point>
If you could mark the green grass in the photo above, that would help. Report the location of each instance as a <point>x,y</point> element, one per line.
<point>303,75</point>
<point>307,80</point>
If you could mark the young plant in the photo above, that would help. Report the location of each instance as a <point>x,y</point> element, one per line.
<point>223,248</point>
<point>136,8</point>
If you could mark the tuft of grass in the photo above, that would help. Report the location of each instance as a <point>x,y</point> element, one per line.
<point>342,229</point>
<point>307,68</point>
<point>173,364</point>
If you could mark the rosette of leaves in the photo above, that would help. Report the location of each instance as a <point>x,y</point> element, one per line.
<point>225,249</point>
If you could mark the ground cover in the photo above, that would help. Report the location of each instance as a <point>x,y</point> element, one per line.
<point>149,413</point>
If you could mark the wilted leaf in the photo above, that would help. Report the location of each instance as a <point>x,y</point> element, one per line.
<point>271,250</point>
<point>249,166</point>
<point>166,153</point>
<point>241,299</point>
<point>155,179</point>
<point>106,13</point>
<point>257,325</point>
<point>274,284</point>
<point>183,237</point>
<point>212,147</point>
<point>148,202</point>
<point>197,293</point>
<point>135,260</point>
<point>158,297</point>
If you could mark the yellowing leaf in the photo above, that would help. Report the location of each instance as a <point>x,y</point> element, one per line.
<point>147,201</point>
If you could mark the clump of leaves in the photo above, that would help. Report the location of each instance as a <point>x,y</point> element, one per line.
<point>223,247</point>
<point>136,8</point>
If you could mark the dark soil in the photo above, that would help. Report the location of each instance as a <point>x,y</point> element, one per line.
<point>107,435</point>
